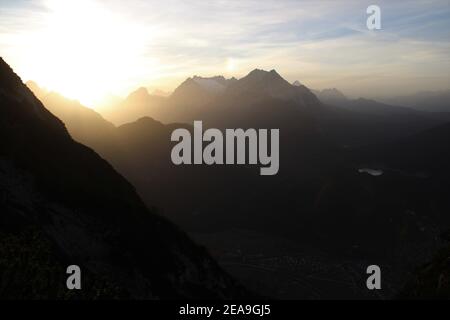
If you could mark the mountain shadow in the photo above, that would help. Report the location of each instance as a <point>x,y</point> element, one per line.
<point>62,204</point>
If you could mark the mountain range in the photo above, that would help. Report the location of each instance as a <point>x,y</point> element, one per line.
<point>320,198</point>
<point>63,204</point>
<point>432,101</point>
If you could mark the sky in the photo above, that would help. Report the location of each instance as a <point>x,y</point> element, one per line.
<point>92,49</point>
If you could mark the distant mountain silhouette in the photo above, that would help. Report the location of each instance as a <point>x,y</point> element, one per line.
<point>84,124</point>
<point>85,213</point>
<point>138,104</point>
<point>337,98</point>
<point>331,96</point>
<point>432,101</point>
<point>259,85</point>
<point>373,121</point>
<point>194,93</point>
<point>377,108</point>
<point>249,100</point>
<point>36,89</point>
<point>142,149</point>
<point>372,107</point>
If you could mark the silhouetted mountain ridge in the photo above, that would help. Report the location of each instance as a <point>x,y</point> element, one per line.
<point>431,101</point>
<point>137,104</point>
<point>89,213</point>
<point>331,96</point>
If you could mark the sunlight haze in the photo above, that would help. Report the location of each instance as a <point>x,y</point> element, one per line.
<point>90,50</point>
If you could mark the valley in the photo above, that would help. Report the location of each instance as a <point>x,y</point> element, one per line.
<point>309,230</point>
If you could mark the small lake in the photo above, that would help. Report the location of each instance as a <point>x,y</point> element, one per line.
<point>372,172</point>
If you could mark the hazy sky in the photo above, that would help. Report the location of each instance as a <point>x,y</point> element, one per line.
<point>87,48</point>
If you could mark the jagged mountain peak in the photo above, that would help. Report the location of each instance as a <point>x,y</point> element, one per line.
<point>146,121</point>
<point>213,85</point>
<point>331,96</point>
<point>141,92</point>
<point>261,74</point>
<point>333,91</point>
<point>196,89</point>
<point>138,97</point>
<point>262,80</point>
<point>260,84</point>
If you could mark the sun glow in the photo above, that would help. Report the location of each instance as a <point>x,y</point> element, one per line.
<point>86,52</point>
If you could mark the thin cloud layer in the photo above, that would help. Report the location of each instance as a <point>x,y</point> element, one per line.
<point>158,44</point>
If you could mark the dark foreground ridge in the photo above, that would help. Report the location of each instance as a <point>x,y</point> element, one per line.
<point>62,204</point>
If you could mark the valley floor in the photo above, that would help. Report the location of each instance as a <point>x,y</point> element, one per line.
<point>279,268</point>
